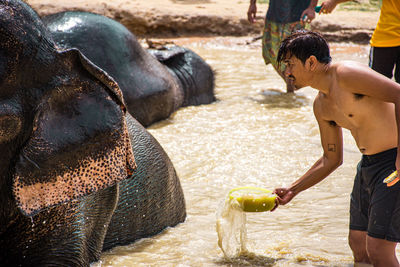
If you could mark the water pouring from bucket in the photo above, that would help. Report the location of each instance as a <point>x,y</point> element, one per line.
<point>231,217</point>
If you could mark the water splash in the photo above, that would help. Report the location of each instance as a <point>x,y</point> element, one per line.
<point>231,229</point>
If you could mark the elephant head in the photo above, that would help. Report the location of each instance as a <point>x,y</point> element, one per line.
<point>65,149</point>
<point>152,89</point>
<point>193,74</point>
<point>49,114</point>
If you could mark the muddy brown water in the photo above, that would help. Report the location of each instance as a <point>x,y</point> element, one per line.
<point>255,135</point>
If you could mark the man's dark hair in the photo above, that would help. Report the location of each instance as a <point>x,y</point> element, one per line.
<point>303,44</point>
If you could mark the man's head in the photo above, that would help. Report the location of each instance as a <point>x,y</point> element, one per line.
<point>303,44</point>
<point>301,52</point>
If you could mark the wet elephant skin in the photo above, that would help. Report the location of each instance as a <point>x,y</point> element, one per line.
<point>74,165</point>
<point>138,213</point>
<point>154,83</point>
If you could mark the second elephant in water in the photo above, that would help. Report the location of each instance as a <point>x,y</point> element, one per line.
<point>154,83</point>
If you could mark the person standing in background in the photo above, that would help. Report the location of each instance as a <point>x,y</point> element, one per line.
<point>384,54</point>
<point>282,18</point>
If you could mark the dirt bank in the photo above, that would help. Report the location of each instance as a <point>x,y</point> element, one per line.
<point>173,18</point>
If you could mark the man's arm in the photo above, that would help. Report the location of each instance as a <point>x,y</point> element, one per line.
<point>252,11</point>
<point>332,144</point>
<point>309,13</point>
<point>329,5</point>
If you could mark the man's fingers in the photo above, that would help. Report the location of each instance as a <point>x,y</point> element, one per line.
<point>276,204</point>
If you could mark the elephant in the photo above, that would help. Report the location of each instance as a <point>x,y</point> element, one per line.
<point>78,174</point>
<point>154,83</point>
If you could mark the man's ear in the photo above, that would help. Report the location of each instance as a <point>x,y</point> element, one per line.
<point>311,63</point>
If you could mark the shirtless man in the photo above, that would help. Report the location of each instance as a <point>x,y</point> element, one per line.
<point>354,97</point>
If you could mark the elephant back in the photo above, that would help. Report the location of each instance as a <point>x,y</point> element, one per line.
<point>96,37</point>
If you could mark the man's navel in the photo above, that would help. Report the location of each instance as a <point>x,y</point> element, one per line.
<point>358,96</point>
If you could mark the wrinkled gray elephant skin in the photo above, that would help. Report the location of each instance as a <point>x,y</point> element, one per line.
<point>77,173</point>
<point>154,83</point>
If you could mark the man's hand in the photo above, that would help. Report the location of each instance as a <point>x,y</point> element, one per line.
<point>252,12</point>
<point>284,196</point>
<point>307,16</point>
<point>328,6</point>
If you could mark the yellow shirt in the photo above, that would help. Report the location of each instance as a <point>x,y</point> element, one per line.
<point>387,31</point>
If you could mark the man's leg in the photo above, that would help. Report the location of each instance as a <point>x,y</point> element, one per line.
<point>289,84</point>
<point>274,33</point>
<point>397,70</point>
<point>358,244</point>
<point>287,30</point>
<point>381,252</point>
<point>381,59</point>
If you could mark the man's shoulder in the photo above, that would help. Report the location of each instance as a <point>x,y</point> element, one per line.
<point>318,103</point>
<point>347,73</point>
<point>348,67</point>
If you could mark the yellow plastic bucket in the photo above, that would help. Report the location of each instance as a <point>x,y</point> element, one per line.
<point>253,199</point>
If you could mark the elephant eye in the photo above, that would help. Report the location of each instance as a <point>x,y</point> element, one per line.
<point>10,126</point>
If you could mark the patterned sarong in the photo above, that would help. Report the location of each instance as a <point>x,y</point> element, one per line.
<point>274,33</point>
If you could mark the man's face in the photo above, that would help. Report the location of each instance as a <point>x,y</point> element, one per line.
<point>295,71</point>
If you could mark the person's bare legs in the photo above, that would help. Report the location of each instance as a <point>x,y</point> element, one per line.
<point>289,84</point>
<point>358,244</point>
<point>381,252</point>
<point>369,250</point>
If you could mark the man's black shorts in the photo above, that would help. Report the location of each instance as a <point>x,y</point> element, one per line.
<point>384,60</point>
<point>375,207</point>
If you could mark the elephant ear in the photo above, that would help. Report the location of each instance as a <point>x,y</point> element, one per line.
<point>163,56</point>
<point>101,75</point>
<point>79,142</point>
